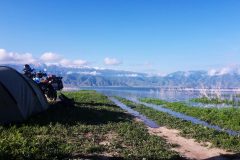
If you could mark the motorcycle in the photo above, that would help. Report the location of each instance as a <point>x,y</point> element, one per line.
<point>49,85</point>
<point>45,84</point>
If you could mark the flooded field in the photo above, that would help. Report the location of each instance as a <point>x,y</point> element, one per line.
<point>171,95</point>
<point>224,99</point>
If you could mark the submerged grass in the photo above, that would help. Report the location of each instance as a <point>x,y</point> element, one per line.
<point>228,118</point>
<point>199,132</point>
<point>84,125</point>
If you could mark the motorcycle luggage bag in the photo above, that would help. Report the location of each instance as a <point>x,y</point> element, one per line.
<point>57,83</point>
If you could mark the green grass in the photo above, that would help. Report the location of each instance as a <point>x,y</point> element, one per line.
<point>199,132</point>
<point>85,125</point>
<point>154,101</point>
<point>206,100</point>
<point>228,118</point>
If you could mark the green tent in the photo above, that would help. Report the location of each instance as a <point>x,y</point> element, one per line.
<point>20,97</point>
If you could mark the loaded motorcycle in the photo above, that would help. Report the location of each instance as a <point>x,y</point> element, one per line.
<point>48,84</point>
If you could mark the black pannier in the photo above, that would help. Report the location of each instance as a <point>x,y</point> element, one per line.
<point>57,82</point>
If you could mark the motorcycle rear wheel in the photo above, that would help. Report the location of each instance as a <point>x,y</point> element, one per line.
<point>51,94</point>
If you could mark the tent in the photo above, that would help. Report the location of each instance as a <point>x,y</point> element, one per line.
<point>20,97</point>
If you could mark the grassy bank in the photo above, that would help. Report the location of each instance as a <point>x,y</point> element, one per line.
<point>85,125</point>
<point>228,118</point>
<point>199,132</point>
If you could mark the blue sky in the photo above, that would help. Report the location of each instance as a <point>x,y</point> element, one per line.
<point>157,36</point>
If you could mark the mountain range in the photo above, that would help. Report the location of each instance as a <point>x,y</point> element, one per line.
<point>86,76</point>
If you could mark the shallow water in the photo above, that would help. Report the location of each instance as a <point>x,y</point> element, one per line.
<point>184,117</point>
<point>202,105</point>
<point>168,95</point>
<point>145,120</point>
<point>134,94</point>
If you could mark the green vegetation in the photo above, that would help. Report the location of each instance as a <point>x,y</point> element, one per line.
<point>206,100</point>
<point>199,132</point>
<point>154,101</point>
<point>228,118</point>
<point>84,125</point>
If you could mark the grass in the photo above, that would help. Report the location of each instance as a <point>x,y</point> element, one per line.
<point>228,118</point>
<point>154,101</point>
<point>206,100</point>
<point>198,132</point>
<point>84,125</point>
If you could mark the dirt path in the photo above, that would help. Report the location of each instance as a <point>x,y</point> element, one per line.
<point>188,147</point>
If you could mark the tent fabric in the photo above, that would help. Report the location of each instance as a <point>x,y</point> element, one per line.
<point>12,110</point>
<point>39,94</point>
<point>22,97</point>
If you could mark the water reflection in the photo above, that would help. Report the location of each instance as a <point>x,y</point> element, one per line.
<point>145,120</point>
<point>169,95</point>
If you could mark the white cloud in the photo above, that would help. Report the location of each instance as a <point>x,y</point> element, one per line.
<point>15,58</point>
<point>128,75</point>
<point>98,68</point>
<point>76,63</point>
<point>225,70</point>
<point>93,73</point>
<point>3,55</point>
<point>79,62</point>
<point>234,69</point>
<point>111,61</point>
<point>50,57</point>
<point>160,74</point>
<point>212,72</point>
<point>65,62</point>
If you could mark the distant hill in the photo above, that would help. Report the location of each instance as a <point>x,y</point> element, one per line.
<point>77,77</point>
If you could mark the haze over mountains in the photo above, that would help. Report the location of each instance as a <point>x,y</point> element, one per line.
<point>86,76</point>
